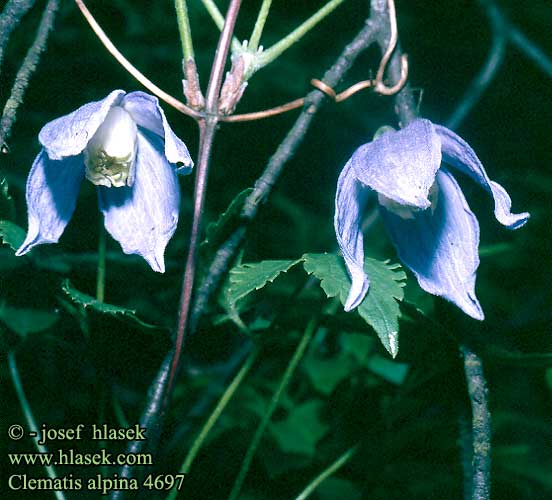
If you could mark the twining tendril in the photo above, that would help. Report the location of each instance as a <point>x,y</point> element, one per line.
<point>376,84</point>
<point>380,87</point>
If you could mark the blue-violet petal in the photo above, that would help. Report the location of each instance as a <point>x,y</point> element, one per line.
<point>143,218</point>
<point>52,190</point>
<point>350,201</point>
<point>147,113</point>
<point>69,134</point>
<point>401,165</point>
<point>440,245</point>
<point>458,153</point>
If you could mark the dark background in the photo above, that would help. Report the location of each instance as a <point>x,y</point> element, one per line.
<point>410,448</point>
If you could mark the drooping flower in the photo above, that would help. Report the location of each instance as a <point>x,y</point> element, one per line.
<point>125,146</point>
<point>423,208</point>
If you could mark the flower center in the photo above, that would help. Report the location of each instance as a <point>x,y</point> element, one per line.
<point>109,156</point>
<point>408,211</point>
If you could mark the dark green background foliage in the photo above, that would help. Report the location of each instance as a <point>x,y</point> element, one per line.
<point>80,365</point>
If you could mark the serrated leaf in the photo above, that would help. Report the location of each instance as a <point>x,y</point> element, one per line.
<point>24,321</point>
<point>11,234</point>
<point>380,308</point>
<point>301,430</point>
<point>246,278</point>
<point>88,301</point>
<point>215,230</point>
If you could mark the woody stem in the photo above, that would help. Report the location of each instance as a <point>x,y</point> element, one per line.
<point>207,127</point>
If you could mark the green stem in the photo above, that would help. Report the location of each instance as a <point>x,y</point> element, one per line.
<point>218,18</point>
<point>31,422</point>
<point>340,462</point>
<point>100,295</point>
<point>286,378</point>
<point>285,43</point>
<point>212,420</point>
<point>184,29</point>
<point>253,44</point>
<point>100,276</point>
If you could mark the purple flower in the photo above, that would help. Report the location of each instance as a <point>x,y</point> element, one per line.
<point>424,210</point>
<point>125,146</point>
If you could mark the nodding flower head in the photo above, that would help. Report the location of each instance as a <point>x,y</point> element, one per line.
<point>423,208</point>
<point>124,145</point>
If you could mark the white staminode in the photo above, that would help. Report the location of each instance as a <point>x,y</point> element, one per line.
<point>110,154</point>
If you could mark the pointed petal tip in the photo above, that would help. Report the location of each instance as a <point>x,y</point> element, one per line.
<point>359,289</point>
<point>22,250</point>
<point>460,155</point>
<point>156,260</point>
<point>185,169</point>
<point>158,267</point>
<point>515,221</point>
<point>472,308</point>
<point>32,240</point>
<point>26,247</point>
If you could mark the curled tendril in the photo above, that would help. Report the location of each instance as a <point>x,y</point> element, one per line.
<point>377,84</point>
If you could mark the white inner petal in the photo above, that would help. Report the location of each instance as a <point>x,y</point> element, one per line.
<point>110,154</point>
<point>407,211</point>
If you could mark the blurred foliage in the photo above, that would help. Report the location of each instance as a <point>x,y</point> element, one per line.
<point>85,362</point>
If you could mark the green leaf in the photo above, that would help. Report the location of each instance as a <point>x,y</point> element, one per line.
<point>11,234</point>
<point>388,370</point>
<point>7,207</point>
<point>246,278</point>
<point>88,301</point>
<point>357,346</point>
<point>8,260</point>
<point>380,308</point>
<point>217,230</point>
<point>326,374</point>
<point>25,321</point>
<point>334,487</point>
<point>301,430</point>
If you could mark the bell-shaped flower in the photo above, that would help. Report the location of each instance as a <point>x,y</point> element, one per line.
<point>125,146</point>
<point>423,208</point>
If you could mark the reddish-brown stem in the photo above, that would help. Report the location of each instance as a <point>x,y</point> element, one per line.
<point>258,115</point>
<point>207,128</point>
<point>217,71</point>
